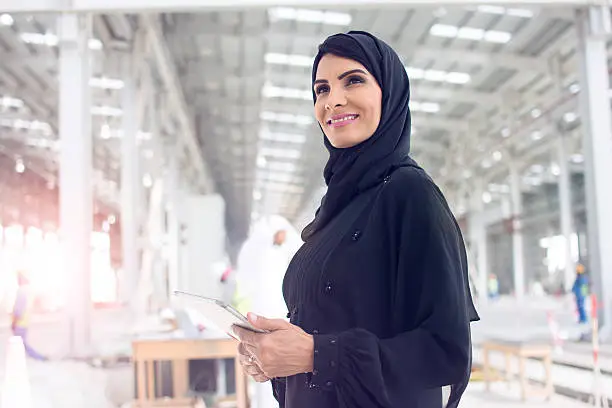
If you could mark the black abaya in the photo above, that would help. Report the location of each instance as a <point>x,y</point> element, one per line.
<point>381,282</point>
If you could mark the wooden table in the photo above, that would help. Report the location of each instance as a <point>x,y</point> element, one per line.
<point>146,351</point>
<point>522,351</point>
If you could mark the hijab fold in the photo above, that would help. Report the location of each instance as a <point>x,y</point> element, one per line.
<point>350,171</point>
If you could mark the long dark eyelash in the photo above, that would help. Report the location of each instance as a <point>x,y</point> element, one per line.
<point>355,78</point>
<point>319,89</point>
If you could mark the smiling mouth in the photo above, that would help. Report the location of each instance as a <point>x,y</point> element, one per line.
<point>345,120</point>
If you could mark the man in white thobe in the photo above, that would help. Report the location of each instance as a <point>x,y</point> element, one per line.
<point>262,264</point>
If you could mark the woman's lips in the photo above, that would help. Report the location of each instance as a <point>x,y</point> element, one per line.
<point>343,120</point>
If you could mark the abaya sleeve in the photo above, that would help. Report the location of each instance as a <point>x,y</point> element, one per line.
<point>278,389</point>
<point>431,310</point>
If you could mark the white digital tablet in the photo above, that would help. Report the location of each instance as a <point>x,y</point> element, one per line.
<point>219,313</point>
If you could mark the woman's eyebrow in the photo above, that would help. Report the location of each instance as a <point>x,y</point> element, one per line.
<point>341,76</point>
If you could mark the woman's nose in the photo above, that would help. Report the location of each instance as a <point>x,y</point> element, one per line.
<point>336,98</point>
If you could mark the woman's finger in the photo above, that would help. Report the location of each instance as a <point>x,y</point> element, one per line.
<point>248,361</point>
<point>245,359</point>
<point>246,336</point>
<point>251,351</point>
<point>242,350</point>
<point>261,378</point>
<point>252,370</point>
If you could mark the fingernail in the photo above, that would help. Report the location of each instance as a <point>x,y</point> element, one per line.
<point>253,317</point>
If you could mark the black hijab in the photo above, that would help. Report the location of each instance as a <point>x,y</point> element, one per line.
<point>350,171</point>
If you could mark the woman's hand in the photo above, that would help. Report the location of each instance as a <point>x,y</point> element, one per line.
<point>285,351</point>
<point>249,365</point>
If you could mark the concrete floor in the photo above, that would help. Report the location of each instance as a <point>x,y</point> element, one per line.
<point>69,384</point>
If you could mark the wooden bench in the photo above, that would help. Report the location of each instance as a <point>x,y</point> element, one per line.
<point>522,351</point>
<point>146,351</point>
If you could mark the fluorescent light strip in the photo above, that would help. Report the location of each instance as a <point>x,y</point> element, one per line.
<point>106,83</point>
<point>9,102</point>
<point>281,166</point>
<point>427,107</point>
<point>309,16</point>
<point>289,59</point>
<point>282,137</point>
<point>107,133</point>
<point>515,12</point>
<point>51,40</point>
<point>280,153</point>
<point>277,177</point>
<point>106,111</point>
<point>21,124</point>
<point>270,91</point>
<point>432,75</point>
<point>281,187</point>
<point>43,143</point>
<point>6,20</point>
<point>470,33</point>
<point>286,118</point>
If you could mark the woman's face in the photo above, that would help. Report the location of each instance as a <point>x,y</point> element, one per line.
<point>348,104</point>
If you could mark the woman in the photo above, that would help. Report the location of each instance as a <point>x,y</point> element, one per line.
<point>378,294</point>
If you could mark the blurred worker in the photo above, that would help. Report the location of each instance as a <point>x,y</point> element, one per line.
<point>581,292</point>
<point>493,286</point>
<point>21,314</point>
<point>279,238</point>
<point>262,264</point>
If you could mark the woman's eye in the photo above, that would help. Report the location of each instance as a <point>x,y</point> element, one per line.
<point>321,89</point>
<point>354,80</point>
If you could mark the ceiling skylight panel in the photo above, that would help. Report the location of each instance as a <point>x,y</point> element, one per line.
<point>106,83</point>
<point>6,20</point>
<point>280,153</point>
<point>470,33</point>
<point>427,107</point>
<point>21,124</point>
<point>518,12</point>
<point>281,166</point>
<point>438,75</point>
<point>106,111</point>
<point>9,102</point>
<point>458,77</point>
<point>500,37</point>
<point>443,30</point>
<point>289,59</point>
<point>286,118</point>
<point>282,188</point>
<point>309,16</point>
<point>435,76</point>
<point>278,177</point>
<point>51,40</point>
<point>415,73</point>
<point>270,91</point>
<point>490,9</point>
<point>282,137</point>
<point>515,12</point>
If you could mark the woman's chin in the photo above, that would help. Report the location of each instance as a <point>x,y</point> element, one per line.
<point>345,142</point>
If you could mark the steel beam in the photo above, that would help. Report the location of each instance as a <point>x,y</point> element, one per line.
<point>140,6</point>
<point>167,70</point>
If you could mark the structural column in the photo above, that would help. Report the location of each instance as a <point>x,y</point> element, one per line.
<point>174,229</point>
<point>478,241</point>
<point>593,29</point>
<point>130,192</point>
<point>75,174</point>
<point>518,251</point>
<point>156,215</point>
<point>565,210</point>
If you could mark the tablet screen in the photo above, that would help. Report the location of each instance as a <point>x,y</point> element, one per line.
<point>219,313</point>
